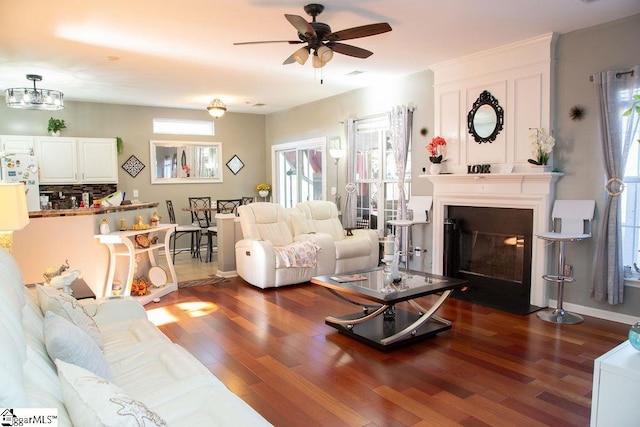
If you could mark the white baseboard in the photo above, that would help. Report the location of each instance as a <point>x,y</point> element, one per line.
<point>596,312</point>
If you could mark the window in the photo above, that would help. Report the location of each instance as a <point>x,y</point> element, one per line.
<point>376,179</point>
<point>299,171</point>
<point>630,198</point>
<point>183,127</point>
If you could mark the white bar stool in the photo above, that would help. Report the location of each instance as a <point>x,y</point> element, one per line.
<point>574,224</point>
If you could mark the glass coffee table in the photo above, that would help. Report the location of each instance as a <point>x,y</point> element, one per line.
<point>380,323</point>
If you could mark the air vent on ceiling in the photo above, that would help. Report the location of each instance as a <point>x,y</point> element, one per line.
<point>355,73</point>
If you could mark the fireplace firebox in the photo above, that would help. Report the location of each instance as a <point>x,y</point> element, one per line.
<point>491,248</point>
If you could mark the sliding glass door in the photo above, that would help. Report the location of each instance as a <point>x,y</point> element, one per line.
<point>299,172</point>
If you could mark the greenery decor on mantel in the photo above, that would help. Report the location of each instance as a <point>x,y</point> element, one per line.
<point>55,125</point>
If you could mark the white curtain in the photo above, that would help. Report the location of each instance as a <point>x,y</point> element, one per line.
<point>349,210</point>
<point>401,123</point>
<point>400,127</point>
<point>616,133</point>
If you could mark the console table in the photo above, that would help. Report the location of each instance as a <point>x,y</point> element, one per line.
<point>122,245</point>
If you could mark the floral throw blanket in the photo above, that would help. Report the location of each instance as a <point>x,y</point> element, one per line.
<point>298,255</point>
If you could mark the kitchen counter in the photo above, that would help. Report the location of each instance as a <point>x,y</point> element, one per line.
<point>90,211</point>
<point>55,236</point>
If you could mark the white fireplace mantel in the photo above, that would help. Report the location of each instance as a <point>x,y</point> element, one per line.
<point>534,191</point>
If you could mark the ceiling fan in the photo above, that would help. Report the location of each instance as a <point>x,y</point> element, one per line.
<point>321,41</point>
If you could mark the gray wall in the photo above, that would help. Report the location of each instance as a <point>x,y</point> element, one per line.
<point>582,53</point>
<point>240,134</point>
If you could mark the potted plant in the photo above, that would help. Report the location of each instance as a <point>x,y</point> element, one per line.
<point>263,189</point>
<point>55,125</point>
<point>436,149</point>
<point>541,146</point>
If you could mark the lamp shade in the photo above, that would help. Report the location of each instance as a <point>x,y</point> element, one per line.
<point>14,214</point>
<point>301,55</point>
<point>325,54</point>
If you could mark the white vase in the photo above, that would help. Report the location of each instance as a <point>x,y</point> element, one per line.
<point>56,133</point>
<point>541,168</point>
<point>435,169</point>
<point>263,193</point>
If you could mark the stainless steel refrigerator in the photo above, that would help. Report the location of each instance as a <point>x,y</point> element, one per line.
<point>23,168</point>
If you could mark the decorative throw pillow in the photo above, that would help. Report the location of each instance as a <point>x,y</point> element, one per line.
<point>50,299</point>
<point>67,342</point>
<point>94,401</point>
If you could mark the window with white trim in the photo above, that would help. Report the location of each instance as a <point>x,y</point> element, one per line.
<point>376,179</point>
<point>630,197</point>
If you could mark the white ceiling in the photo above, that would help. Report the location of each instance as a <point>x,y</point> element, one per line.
<point>180,53</point>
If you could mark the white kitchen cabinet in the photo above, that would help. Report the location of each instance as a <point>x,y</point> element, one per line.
<point>98,160</point>
<point>16,144</point>
<point>65,160</point>
<point>616,386</point>
<point>57,159</point>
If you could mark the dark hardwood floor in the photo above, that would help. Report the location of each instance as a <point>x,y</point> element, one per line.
<point>272,348</point>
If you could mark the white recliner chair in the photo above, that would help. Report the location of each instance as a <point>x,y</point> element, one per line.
<point>266,256</point>
<point>357,252</point>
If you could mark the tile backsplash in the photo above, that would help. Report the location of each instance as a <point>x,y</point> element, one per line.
<point>96,191</point>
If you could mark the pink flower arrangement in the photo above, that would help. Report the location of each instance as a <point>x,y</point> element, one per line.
<point>436,149</point>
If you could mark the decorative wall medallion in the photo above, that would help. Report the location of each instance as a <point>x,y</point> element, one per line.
<point>133,166</point>
<point>235,164</point>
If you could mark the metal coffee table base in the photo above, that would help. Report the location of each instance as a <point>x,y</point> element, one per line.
<point>388,327</point>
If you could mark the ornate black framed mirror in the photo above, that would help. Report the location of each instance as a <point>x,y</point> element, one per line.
<point>486,118</point>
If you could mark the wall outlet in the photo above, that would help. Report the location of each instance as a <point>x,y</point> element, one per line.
<point>416,251</point>
<point>135,194</point>
<point>334,190</point>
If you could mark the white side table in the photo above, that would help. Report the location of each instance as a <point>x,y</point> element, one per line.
<point>616,387</point>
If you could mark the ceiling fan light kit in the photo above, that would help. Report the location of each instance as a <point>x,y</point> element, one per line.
<point>321,41</point>
<point>217,108</point>
<point>301,55</point>
<point>34,99</point>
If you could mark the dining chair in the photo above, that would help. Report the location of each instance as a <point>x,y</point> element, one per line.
<point>201,217</point>
<point>247,199</point>
<point>181,230</point>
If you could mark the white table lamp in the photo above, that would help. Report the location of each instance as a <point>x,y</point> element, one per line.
<point>14,214</point>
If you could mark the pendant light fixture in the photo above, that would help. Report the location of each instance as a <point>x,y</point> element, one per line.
<point>34,99</point>
<point>217,108</point>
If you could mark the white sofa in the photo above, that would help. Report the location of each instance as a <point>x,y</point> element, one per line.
<point>359,251</point>
<point>269,230</point>
<point>111,365</point>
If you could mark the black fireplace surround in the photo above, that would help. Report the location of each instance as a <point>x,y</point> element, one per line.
<point>491,249</point>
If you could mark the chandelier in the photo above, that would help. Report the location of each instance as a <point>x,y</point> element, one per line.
<point>34,99</point>
<point>217,108</point>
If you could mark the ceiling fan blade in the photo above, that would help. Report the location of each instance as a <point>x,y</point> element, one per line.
<point>270,41</point>
<point>357,32</point>
<point>347,49</point>
<point>289,60</point>
<point>301,25</point>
